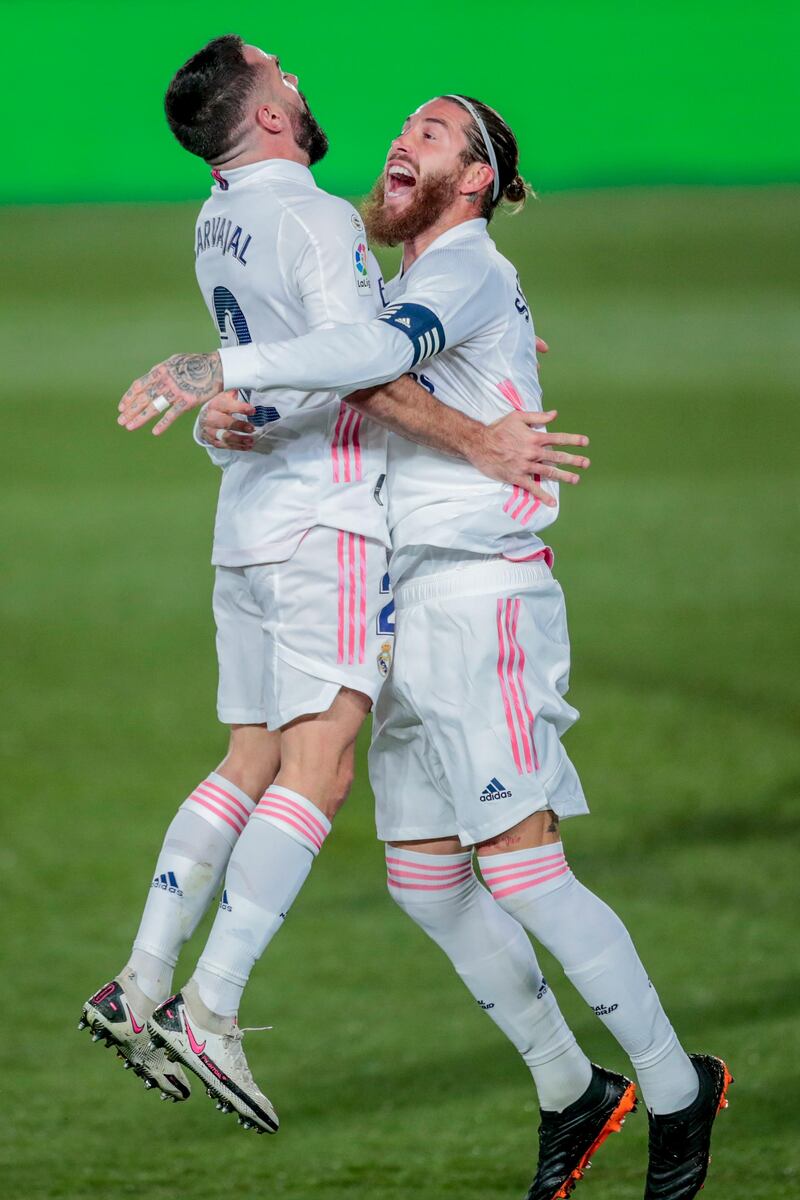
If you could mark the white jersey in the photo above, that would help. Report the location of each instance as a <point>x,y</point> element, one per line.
<point>460,311</point>
<point>277,257</point>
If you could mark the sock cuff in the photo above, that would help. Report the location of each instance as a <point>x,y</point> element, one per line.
<point>221,803</point>
<point>544,868</point>
<point>427,875</point>
<point>295,816</point>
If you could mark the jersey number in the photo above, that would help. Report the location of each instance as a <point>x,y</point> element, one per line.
<point>233,331</point>
<point>386,614</point>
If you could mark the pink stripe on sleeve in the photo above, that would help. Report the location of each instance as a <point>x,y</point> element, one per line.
<point>357,444</point>
<point>501,658</point>
<point>335,443</point>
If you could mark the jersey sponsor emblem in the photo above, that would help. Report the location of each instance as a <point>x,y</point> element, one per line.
<point>385,658</point>
<point>495,790</point>
<point>356,222</point>
<point>421,326</point>
<point>361,268</point>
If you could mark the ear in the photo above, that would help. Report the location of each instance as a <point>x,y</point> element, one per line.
<point>270,118</point>
<point>476,178</point>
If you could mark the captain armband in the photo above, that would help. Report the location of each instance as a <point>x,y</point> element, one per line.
<point>421,326</point>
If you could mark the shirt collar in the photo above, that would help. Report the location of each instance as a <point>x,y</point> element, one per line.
<point>265,171</point>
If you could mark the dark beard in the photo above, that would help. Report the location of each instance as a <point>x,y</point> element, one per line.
<point>431,198</point>
<point>308,133</point>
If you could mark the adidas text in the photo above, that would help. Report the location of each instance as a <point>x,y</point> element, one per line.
<point>495,790</point>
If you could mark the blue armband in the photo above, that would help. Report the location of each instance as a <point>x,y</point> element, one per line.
<point>421,326</point>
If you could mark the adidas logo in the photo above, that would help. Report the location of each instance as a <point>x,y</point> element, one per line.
<point>600,1010</point>
<point>167,883</point>
<point>543,989</point>
<point>405,321</point>
<point>495,790</point>
<point>224,904</point>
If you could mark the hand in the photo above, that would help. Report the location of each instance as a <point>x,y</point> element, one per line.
<point>184,381</point>
<point>541,346</point>
<point>513,450</point>
<point>220,426</point>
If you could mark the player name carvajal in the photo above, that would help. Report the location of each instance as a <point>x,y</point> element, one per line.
<point>219,232</point>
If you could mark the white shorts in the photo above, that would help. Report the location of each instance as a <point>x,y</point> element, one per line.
<point>467,729</point>
<point>291,634</point>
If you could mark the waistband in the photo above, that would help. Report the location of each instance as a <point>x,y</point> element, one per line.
<point>499,575</point>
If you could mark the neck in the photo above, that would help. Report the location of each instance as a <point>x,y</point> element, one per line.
<point>448,220</point>
<point>284,148</point>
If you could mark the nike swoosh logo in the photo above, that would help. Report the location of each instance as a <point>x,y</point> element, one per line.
<point>136,1027</point>
<point>197,1048</point>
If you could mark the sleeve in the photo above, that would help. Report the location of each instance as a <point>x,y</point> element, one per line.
<point>328,263</point>
<point>440,309</point>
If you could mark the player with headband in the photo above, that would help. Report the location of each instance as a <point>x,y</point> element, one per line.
<point>467,746</point>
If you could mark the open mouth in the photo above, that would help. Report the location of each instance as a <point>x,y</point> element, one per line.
<point>400,180</point>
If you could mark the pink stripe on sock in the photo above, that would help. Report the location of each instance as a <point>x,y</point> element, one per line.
<point>230,802</point>
<point>520,887</point>
<point>523,873</point>
<point>200,794</point>
<point>272,811</point>
<point>501,659</point>
<point>424,876</point>
<point>228,796</point>
<point>217,813</point>
<point>419,887</point>
<point>351,597</point>
<point>512,687</point>
<point>299,811</point>
<point>362,565</point>
<point>342,585</point>
<point>442,868</point>
<point>523,864</point>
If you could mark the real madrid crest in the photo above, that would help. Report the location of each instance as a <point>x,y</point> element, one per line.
<point>385,658</point>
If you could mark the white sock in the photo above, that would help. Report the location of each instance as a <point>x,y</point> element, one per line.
<point>188,872</point>
<point>494,957</point>
<point>594,948</point>
<point>267,870</point>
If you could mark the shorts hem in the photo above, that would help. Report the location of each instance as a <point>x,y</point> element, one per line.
<point>327,673</point>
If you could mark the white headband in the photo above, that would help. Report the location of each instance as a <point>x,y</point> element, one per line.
<point>487,141</point>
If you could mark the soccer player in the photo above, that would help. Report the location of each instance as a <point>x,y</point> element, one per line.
<point>300,555</point>
<point>467,745</point>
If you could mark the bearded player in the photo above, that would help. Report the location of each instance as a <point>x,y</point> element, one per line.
<point>467,747</point>
<point>300,555</point>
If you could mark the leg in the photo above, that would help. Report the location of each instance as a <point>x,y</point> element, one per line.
<point>195,854</point>
<point>527,872</point>
<point>435,884</point>
<point>275,853</point>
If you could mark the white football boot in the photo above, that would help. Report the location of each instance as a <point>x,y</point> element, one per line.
<point>117,1015</point>
<point>211,1046</point>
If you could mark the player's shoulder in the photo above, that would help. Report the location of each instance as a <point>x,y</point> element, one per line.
<point>321,212</point>
<point>470,262</point>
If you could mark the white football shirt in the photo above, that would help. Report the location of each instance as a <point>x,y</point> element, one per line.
<point>277,257</point>
<point>459,322</point>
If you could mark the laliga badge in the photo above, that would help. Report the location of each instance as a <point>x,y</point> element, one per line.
<point>360,267</point>
<point>385,658</point>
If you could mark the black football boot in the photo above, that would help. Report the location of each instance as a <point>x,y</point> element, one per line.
<point>680,1142</point>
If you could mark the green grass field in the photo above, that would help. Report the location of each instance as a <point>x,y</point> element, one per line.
<point>670,319</point>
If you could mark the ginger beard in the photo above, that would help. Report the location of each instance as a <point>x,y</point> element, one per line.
<point>432,196</point>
